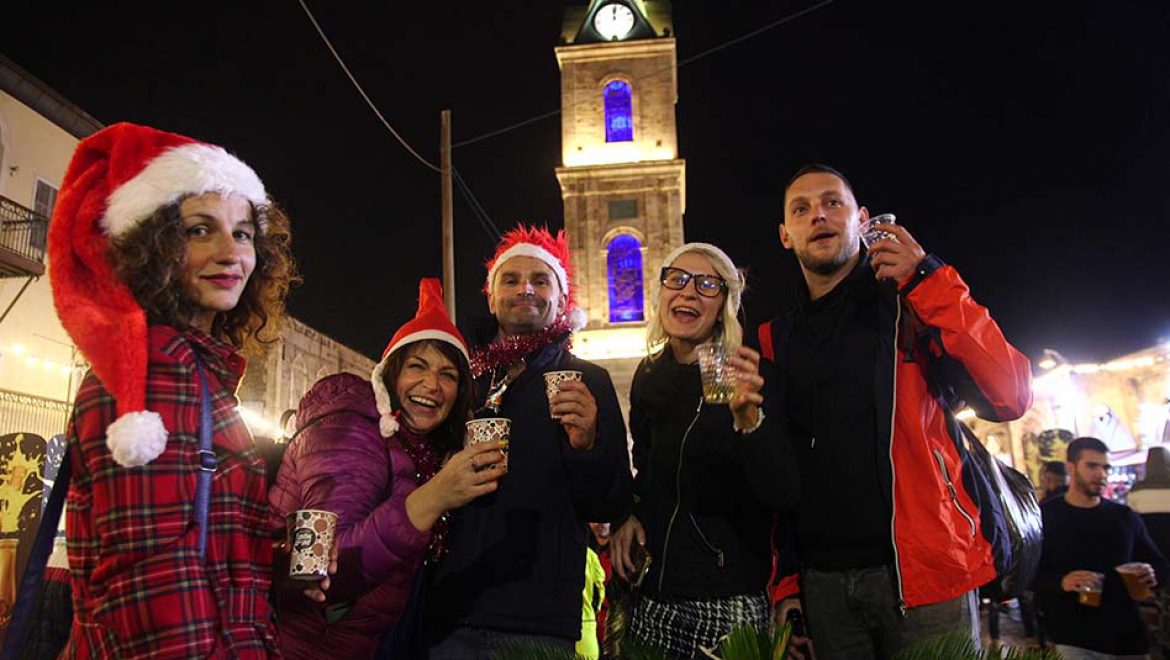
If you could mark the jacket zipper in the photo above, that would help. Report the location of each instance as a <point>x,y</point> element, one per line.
<point>954,493</point>
<point>894,471</point>
<point>678,493</point>
<point>715,551</point>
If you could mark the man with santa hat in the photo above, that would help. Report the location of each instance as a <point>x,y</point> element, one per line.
<point>515,567</point>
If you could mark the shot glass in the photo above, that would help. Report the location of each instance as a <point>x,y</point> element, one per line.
<point>311,533</point>
<point>488,429</point>
<point>1090,594</point>
<point>872,231</point>
<point>718,376</point>
<point>552,385</point>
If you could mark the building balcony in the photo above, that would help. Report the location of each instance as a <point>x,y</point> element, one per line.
<point>22,240</point>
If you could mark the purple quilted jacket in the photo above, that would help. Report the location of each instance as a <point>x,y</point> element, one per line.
<point>341,463</point>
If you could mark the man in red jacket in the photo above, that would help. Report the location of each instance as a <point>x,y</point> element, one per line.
<point>877,352</point>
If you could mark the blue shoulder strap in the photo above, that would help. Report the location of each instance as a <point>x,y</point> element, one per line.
<point>207,462</point>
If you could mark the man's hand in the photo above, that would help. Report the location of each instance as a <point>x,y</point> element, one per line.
<point>745,405</point>
<point>577,409</point>
<point>1080,580</point>
<point>895,258</point>
<point>621,545</point>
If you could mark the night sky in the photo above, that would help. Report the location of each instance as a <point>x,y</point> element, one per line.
<point>1028,146</point>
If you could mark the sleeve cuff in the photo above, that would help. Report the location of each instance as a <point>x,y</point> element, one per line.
<point>755,427</point>
<point>923,270</point>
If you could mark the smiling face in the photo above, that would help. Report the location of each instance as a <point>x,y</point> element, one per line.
<point>220,253</point>
<point>426,387</point>
<point>525,296</point>
<point>822,223</point>
<point>686,315</point>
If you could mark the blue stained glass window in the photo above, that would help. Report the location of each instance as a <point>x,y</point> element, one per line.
<point>619,112</point>
<point>624,264</point>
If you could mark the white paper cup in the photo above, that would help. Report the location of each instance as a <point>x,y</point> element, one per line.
<point>552,385</point>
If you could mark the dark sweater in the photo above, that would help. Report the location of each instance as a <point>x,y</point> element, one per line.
<point>844,519</point>
<point>706,494</point>
<point>517,556</point>
<point>1096,539</point>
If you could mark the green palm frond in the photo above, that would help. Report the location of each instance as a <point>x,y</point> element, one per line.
<point>748,643</point>
<point>959,646</point>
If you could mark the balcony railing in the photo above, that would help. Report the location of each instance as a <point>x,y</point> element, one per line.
<point>22,240</point>
<point>24,413</point>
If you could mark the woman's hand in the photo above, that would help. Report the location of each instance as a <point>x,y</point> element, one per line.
<point>468,474</point>
<point>745,405</point>
<point>621,546</point>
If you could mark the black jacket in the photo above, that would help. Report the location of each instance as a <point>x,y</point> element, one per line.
<point>705,493</point>
<point>517,556</point>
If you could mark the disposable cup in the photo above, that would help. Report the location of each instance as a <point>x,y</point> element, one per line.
<point>311,534</point>
<point>552,385</point>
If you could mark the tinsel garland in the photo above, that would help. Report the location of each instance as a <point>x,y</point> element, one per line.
<point>509,350</point>
<point>427,463</point>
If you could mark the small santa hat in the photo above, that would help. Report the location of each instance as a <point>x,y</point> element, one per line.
<point>118,177</point>
<point>539,243</point>
<point>430,322</point>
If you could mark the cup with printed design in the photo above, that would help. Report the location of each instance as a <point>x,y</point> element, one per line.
<point>552,385</point>
<point>487,429</point>
<point>311,534</point>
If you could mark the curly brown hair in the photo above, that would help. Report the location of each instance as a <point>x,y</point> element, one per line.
<point>149,259</point>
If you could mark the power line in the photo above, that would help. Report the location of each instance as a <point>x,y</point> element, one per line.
<point>361,91</point>
<point>709,51</point>
<point>477,209</point>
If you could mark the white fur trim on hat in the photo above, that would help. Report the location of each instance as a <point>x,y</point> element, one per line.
<point>192,169</point>
<point>387,425</point>
<point>136,438</point>
<point>536,252</point>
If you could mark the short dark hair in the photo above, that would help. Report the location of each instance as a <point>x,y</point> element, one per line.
<point>818,168</point>
<point>1085,444</point>
<point>1055,468</point>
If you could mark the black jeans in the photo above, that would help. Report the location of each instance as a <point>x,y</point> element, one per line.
<point>853,615</point>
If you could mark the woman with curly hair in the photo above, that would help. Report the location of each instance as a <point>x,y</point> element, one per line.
<point>166,259</point>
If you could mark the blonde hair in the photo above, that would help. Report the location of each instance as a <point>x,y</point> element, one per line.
<point>728,331</point>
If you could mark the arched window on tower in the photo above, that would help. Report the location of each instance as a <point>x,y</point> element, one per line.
<point>624,267</point>
<point>619,112</point>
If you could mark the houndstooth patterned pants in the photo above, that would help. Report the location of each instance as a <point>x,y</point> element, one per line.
<point>694,628</point>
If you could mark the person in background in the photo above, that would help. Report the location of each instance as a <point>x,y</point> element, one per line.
<point>385,455</point>
<point>1086,538</point>
<point>709,477</point>
<point>166,258</point>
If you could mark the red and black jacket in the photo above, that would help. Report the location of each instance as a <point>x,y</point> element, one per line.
<point>937,346</point>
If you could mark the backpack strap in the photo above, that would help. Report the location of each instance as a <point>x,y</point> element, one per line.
<point>207,460</point>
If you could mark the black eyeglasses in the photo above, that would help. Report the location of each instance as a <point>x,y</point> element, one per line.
<point>677,279</point>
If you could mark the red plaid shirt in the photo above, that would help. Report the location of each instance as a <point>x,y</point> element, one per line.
<point>139,586</point>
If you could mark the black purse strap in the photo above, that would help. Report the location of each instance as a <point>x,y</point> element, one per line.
<point>207,462</point>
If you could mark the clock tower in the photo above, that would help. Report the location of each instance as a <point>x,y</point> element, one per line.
<point>621,179</point>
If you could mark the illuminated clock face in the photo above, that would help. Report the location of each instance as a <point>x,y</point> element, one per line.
<point>613,21</point>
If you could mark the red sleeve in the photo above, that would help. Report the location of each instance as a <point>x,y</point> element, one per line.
<point>970,336</point>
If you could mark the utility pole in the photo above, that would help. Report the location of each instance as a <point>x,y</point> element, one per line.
<point>448,214</point>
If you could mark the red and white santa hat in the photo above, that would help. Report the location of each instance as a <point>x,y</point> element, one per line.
<point>539,243</point>
<point>118,177</point>
<point>430,322</point>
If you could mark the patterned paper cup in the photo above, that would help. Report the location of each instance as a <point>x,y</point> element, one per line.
<point>488,429</point>
<point>310,538</point>
<point>552,385</point>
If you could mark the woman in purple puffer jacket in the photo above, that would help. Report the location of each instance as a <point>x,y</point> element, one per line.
<point>376,454</point>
